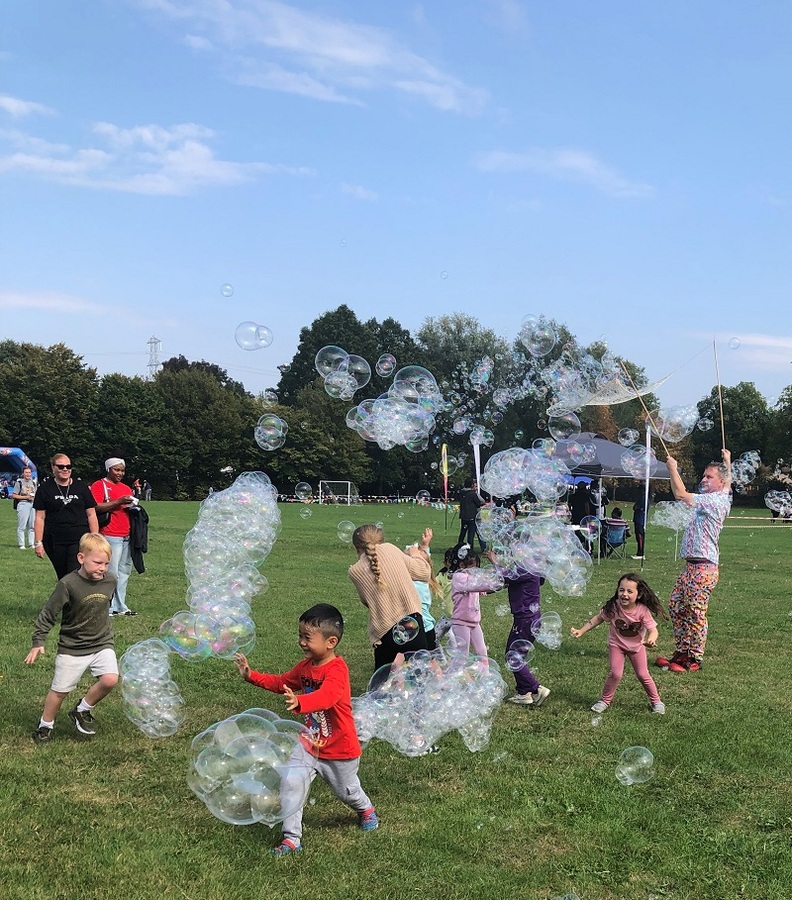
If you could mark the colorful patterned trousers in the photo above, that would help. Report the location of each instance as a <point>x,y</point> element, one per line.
<point>688,607</point>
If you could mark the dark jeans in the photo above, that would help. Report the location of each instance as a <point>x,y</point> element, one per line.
<point>467,532</point>
<point>387,649</point>
<point>62,556</point>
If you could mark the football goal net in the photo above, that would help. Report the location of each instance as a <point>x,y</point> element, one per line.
<point>338,492</point>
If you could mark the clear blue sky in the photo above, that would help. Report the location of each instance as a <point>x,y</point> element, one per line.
<point>623,167</point>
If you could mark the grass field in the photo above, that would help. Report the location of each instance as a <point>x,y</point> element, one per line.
<point>537,814</point>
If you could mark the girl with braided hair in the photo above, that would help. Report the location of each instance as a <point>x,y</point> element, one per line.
<point>383,576</point>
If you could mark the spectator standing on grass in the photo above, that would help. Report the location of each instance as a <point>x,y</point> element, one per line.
<point>146,490</point>
<point>696,582</point>
<point>640,511</point>
<point>65,511</point>
<point>383,577</point>
<point>115,500</point>
<point>82,601</point>
<point>23,494</point>
<point>470,502</point>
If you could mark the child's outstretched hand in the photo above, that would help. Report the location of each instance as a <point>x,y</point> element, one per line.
<point>576,632</point>
<point>649,642</point>
<point>426,537</point>
<point>292,700</point>
<point>33,655</point>
<point>242,664</point>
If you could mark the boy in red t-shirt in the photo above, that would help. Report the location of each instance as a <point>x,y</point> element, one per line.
<point>326,703</point>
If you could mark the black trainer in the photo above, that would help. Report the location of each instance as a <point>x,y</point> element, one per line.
<point>85,722</point>
<point>42,734</point>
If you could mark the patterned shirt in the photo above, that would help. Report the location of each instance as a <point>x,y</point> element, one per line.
<point>700,538</point>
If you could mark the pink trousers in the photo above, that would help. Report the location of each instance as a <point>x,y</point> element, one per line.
<point>639,664</point>
<point>469,638</point>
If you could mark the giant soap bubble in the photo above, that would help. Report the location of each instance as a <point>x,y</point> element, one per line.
<point>251,767</point>
<point>636,766</point>
<point>251,336</point>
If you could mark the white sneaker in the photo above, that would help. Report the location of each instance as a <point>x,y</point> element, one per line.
<point>523,699</point>
<point>639,557</point>
<point>599,707</point>
<point>659,708</point>
<point>540,695</point>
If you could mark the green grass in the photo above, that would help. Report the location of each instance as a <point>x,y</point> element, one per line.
<point>537,814</point>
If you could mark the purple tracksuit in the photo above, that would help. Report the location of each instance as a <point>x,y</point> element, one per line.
<point>524,600</point>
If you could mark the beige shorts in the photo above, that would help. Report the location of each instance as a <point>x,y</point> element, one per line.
<point>69,669</point>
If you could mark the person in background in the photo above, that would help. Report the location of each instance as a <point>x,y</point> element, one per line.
<point>22,495</point>
<point>65,511</point>
<point>115,499</point>
<point>640,512</point>
<point>470,502</point>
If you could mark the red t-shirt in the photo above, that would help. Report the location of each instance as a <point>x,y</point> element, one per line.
<point>118,526</point>
<point>325,702</point>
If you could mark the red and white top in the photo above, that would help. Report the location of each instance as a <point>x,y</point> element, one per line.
<point>118,526</point>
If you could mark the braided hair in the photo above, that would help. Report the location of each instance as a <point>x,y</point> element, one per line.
<point>365,539</point>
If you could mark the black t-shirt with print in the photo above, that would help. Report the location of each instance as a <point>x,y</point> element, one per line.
<point>66,520</point>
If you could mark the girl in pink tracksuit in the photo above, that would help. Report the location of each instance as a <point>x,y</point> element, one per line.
<point>466,615</point>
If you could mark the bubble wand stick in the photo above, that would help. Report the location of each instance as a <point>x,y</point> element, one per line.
<point>648,414</point>
<point>720,393</point>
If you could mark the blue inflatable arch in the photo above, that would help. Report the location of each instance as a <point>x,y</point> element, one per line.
<point>16,459</point>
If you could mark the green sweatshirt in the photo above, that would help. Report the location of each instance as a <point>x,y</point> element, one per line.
<point>84,608</point>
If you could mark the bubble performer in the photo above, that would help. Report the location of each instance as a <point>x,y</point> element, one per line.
<point>630,614</point>
<point>326,703</point>
<point>383,576</point>
<point>696,582</point>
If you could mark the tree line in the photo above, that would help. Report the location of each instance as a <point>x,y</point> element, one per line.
<point>191,426</point>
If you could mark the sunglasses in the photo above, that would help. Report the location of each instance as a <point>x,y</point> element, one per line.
<point>61,466</point>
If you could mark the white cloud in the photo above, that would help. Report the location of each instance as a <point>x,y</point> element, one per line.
<point>146,159</point>
<point>509,16</point>
<point>281,47</point>
<point>197,42</point>
<point>359,192</point>
<point>566,165</point>
<point>50,301</point>
<point>18,109</point>
<point>770,352</point>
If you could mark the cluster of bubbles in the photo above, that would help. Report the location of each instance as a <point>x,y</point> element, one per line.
<point>412,703</point>
<point>234,534</point>
<point>542,546</point>
<point>270,432</point>
<point>674,423</point>
<point>780,502</point>
<point>152,700</point>
<point>627,437</point>
<point>671,514</point>
<point>519,654</point>
<point>343,373</point>
<point>537,335</point>
<point>251,768</point>
<point>637,461</point>
<point>250,336</point>
<point>404,416</point>
<point>548,634</point>
<point>635,766</point>
<point>405,630</point>
<point>484,581</point>
<point>744,469</point>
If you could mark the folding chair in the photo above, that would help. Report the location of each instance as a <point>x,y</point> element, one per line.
<point>614,541</point>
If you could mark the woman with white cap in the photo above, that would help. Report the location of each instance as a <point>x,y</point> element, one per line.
<point>114,500</point>
<point>65,511</point>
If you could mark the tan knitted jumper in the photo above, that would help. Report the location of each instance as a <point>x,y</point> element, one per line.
<point>397,598</point>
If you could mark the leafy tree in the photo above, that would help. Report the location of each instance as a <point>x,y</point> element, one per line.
<point>133,422</point>
<point>746,423</point>
<point>52,403</point>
